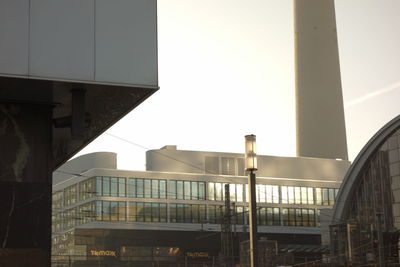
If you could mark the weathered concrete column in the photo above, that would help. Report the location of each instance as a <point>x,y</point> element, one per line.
<point>25,183</point>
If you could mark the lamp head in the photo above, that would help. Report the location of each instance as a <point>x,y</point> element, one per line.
<point>250,153</point>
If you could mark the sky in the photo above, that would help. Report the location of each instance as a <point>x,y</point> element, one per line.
<point>226,69</point>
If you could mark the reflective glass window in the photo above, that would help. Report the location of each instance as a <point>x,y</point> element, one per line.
<point>304,195</point>
<point>139,188</point>
<point>232,192</point>
<point>99,186</point>
<point>211,191</point>
<point>311,217</point>
<point>140,212</point>
<point>202,213</point>
<point>275,194</point>
<point>325,196</point>
<point>121,187</point>
<point>106,210</point>
<point>318,196</point>
<point>172,190</point>
<point>195,213</point>
<point>132,211</point>
<point>131,187</point>
<point>179,189</point>
<point>147,188</point>
<point>122,211</point>
<point>291,195</point>
<point>114,187</point>
<point>99,211</point>
<point>180,213</point>
<point>154,189</point>
<point>297,195</point>
<point>269,194</point>
<point>194,191</point>
<point>155,212</point>
<point>172,213</point>
<point>331,196</point>
<point>186,190</point>
<point>114,210</point>
<point>218,191</point>
<point>305,218</point>
<point>147,211</point>
<point>188,213</point>
<point>163,212</point>
<point>310,195</point>
<point>284,194</point>
<point>239,193</point>
<point>277,216</point>
<point>202,190</point>
<point>163,189</point>
<point>285,217</point>
<point>106,186</point>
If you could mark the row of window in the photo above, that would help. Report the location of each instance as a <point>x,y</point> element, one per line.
<point>190,190</point>
<point>178,213</point>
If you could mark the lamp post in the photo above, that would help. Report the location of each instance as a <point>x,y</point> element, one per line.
<point>251,167</point>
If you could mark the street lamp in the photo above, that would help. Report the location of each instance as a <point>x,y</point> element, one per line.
<point>251,167</point>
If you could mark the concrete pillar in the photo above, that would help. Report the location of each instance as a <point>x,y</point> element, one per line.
<point>25,183</point>
<point>320,120</point>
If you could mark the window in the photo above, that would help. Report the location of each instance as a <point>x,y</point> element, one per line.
<point>179,189</point>
<point>114,210</point>
<point>284,194</point>
<point>186,190</point>
<point>172,190</point>
<point>310,194</point>
<point>155,189</point>
<point>121,187</point>
<point>297,195</point>
<point>99,186</point>
<point>239,193</point>
<point>106,186</point>
<point>275,194</point>
<point>122,211</point>
<point>195,191</point>
<point>139,188</point>
<point>211,191</point>
<point>202,190</point>
<point>269,193</point>
<point>147,188</point>
<point>218,191</point>
<point>131,187</point>
<point>163,212</point>
<point>106,211</point>
<point>232,192</point>
<point>155,212</point>
<point>163,189</point>
<point>318,196</point>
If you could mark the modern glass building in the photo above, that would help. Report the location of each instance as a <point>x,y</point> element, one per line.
<point>173,211</point>
<point>366,218</point>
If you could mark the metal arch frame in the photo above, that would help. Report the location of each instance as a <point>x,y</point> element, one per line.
<point>350,180</point>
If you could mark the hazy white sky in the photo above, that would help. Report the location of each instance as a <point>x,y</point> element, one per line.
<point>226,70</point>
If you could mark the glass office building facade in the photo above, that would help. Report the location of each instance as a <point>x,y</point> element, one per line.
<point>175,208</point>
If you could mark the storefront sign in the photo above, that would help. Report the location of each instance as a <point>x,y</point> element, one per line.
<point>109,253</point>
<point>197,254</point>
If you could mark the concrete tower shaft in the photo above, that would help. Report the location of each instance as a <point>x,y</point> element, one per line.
<point>320,129</point>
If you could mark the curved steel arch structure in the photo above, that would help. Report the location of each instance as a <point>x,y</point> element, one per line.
<point>365,226</point>
<point>349,183</point>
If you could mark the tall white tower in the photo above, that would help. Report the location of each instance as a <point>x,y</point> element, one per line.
<point>320,120</point>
